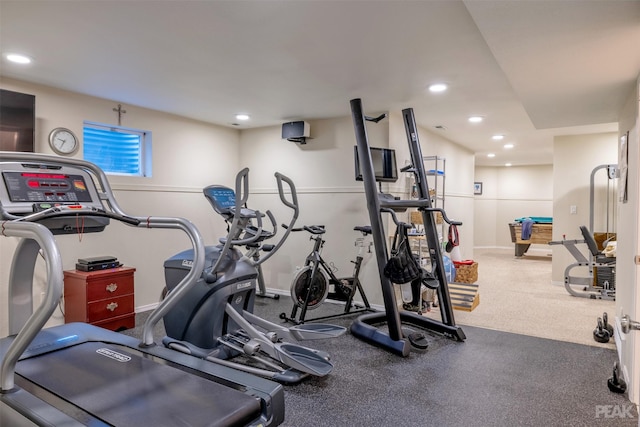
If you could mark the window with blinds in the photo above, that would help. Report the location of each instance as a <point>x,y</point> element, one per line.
<point>118,150</point>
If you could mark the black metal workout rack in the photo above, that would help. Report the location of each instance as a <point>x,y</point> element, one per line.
<point>394,337</point>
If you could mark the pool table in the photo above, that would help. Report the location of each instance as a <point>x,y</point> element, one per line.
<point>541,232</point>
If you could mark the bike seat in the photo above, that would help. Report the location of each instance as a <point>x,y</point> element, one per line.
<point>364,229</point>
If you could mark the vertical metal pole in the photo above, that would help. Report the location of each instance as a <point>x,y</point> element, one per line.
<point>430,230</point>
<point>377,228</point>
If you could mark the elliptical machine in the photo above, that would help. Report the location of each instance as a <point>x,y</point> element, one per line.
<point>215,320</point>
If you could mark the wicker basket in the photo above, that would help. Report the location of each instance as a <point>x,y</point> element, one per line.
<point>466,273</point>
<point>416,218</point>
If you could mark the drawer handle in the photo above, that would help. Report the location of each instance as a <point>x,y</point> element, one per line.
<point>111,287</point>
<point>112,306</point>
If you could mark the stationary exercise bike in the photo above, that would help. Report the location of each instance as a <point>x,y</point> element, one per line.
<point>215,320</point>
<point>310,285</point>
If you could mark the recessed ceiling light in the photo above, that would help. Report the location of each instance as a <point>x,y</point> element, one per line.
<point>507,146</point>
<point>475,119</point>
<point>437,87</point>
<point>242,117</point>
<point>497,137</point>
<point>17,58</point>
<point>491,155</point>
<point>507,164</point>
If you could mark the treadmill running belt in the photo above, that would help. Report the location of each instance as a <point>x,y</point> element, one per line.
<point>124,389</point>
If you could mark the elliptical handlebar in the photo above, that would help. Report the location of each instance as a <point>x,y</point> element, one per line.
<point>265,234</point>
<point>294,196</point>
<point>241,196</point>
<point>256,233</point>
<point>242,188</point>
<point>293,205</point>
<point>253,235</point>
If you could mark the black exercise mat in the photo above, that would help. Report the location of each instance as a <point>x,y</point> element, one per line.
<point>492,379</point>
<point>124,389</point>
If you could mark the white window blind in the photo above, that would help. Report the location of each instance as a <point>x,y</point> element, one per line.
<point>117,150</point>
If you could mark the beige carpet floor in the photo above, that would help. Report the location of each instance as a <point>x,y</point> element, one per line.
<point>517,295</point>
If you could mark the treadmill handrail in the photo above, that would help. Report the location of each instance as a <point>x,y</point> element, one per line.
<point>186,283</point>
<point>43,236</point>
<point>105,193</point>
<point>58,211</point>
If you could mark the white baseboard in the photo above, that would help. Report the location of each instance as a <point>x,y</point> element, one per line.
<point>288,295</point>
<point>540,250</point>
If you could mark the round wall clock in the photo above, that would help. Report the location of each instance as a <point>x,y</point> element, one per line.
<point>63,141</point>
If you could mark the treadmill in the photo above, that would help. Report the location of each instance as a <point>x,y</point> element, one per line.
<point>78,374</point>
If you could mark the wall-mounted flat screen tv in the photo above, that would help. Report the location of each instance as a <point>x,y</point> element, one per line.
<point>384,164</point>
<point>17,121</point>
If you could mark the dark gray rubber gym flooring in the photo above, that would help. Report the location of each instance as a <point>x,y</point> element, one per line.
<point>492,379</point>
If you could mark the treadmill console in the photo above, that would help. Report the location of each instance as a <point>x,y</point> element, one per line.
<point>29,188</point>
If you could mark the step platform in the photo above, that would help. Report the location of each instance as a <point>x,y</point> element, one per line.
<point>464,296</point>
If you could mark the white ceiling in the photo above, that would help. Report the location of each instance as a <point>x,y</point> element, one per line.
<point>533,69</point>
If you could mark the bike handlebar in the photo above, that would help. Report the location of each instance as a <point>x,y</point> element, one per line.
<point>313,229</point>
<point>319,229</point>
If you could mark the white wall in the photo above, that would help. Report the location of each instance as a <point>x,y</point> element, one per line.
<point>324,176</point>
<point>574,158</point>
<point>187,155</point>
<point>509,193</point>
